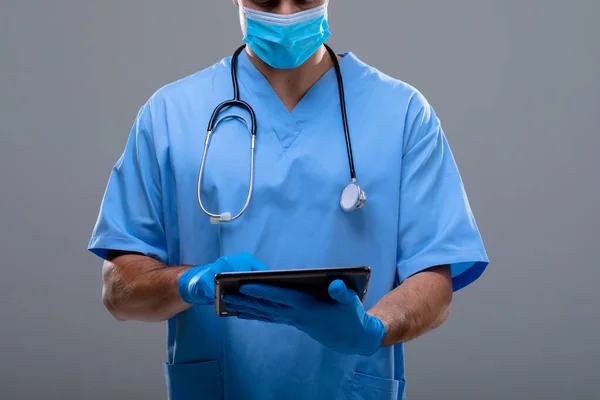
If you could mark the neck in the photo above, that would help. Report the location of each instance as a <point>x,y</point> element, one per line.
<point>292,84</point>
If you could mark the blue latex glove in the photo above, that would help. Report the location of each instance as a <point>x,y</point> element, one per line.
<point>197,285</point>
<point>341,323</point>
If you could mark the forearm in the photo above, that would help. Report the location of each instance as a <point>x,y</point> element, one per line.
<point>421,303</point>
<point>140,288</point>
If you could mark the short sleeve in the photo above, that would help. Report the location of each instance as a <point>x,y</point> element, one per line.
<point>131,212</point>
<point>436,224</point>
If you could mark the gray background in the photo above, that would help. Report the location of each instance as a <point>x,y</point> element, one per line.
<point>516,86</point>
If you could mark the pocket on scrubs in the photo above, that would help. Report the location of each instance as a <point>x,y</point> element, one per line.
<point>368,387</point>
<point>199,380</point>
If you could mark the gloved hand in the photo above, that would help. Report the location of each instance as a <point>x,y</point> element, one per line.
<point>196,285</point>
<point>341,323</point>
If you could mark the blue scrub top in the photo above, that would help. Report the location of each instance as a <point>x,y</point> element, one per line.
<point>417,215</point>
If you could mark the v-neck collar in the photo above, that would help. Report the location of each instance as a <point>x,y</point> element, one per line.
<point>288,125</point>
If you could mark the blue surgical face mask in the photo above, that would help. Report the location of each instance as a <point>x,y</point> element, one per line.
<point>286,41</point>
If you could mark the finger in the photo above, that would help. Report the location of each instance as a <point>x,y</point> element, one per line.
<point>258,266</point>
<point>267,308</point>
<point>340,293</point>
<point>251,263</point>
<point>245,262</point>
<point>258,313</point>
<point>253,317</point>
<point>284,296</point>
<point>249,311</point>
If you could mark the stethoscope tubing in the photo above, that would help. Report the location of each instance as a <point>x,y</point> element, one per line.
<point>236,101</point>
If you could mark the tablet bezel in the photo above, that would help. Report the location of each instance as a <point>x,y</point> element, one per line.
<point>356,278</point>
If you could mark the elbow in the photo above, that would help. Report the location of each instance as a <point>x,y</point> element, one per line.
<point>115,292</point>
<point>113,304</point>
<point>128,300</point>
<point>446,295</point>
<point>443,314</point>
<point>121,309</point>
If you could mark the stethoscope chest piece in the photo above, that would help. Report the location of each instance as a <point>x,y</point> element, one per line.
<point>353,198</point>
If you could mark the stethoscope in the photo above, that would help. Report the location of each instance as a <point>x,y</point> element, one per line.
<point>352,198</point>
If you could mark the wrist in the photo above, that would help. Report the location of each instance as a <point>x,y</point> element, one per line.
<point>380,332</point>
<point>396,326</point>
<point>384,323</point>
<point>375,333</point>
<point>192,287</point>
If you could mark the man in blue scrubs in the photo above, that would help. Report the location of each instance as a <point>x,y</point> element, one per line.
<point>416,231</point>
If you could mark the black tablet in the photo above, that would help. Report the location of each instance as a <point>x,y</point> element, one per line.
<point>313,281</point>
